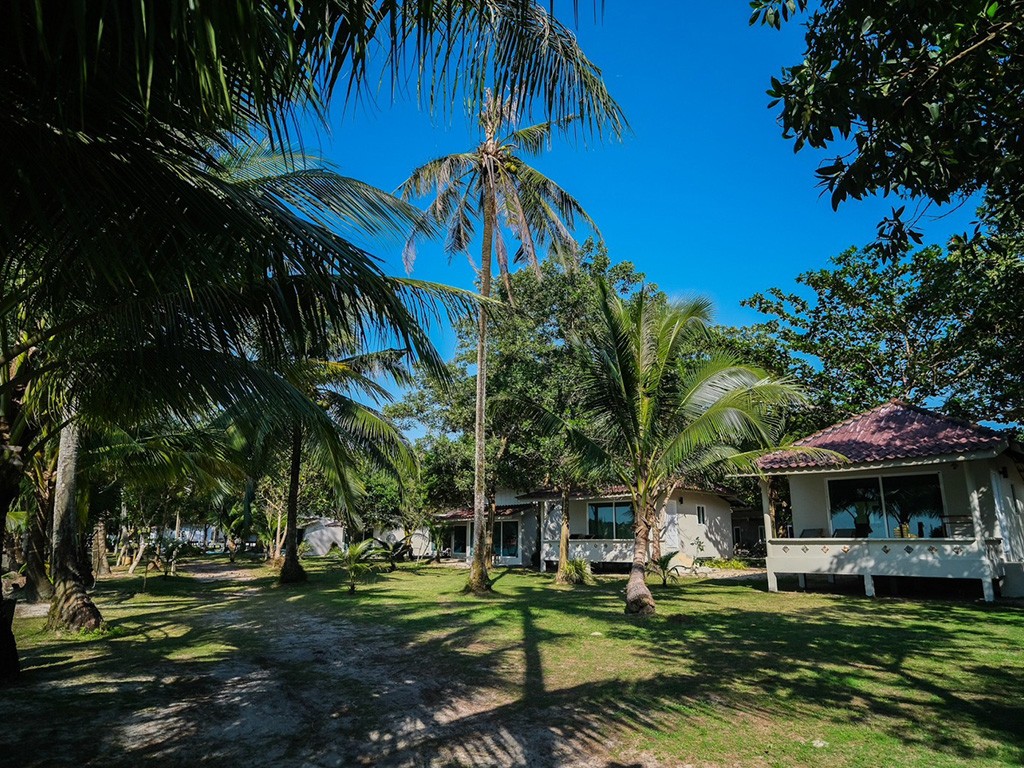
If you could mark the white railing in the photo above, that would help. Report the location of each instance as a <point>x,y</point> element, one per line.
<point>943,558</point>
<point>592,550</point>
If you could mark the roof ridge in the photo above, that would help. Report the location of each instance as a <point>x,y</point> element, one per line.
<point>945,416</point>
<point>848,420</point>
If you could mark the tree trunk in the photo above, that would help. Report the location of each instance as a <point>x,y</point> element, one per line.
<point>247,498</point>
<point>655,535</point>
<point>292,570</point>
<point>177,525</point>
<point>563,538</point>
<point>38,588</point>
<point>10,667</point>
<point>639,600</point>
<point>479,582</point>
<point>72,607</point>
<point>138,555</point>
<point>492,516</point>
<point>100,563</point>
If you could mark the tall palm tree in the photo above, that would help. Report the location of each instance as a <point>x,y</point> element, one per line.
<point>662,406</point>
<point>495,186</point>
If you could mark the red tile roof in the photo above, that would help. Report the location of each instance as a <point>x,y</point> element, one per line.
<point>893,431</point>
<point>467,514</point>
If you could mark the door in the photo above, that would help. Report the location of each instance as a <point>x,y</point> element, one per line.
<point>507,546</point>
<point>460,541</point>
<point>1005,532</point>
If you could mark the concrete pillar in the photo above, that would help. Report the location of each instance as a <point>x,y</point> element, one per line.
<point>773,581</point>
<point>801,580</point>
<point>542,533</point>
<point>986,589</point>
<point>869,585</point>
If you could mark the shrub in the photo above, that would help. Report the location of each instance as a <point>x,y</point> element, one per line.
<point>664,569</point>
<point>578,572</point>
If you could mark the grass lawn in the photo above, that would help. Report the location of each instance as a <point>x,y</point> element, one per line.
<point>409,671</point>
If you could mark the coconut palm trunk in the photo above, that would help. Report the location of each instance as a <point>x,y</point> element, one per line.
<point>478,578</point>
<point>100,562</point>
<point>639,600</point>
<point>292,570</point>
<point>72,608</point>
<point>10,667</point>
<point>38,588</point>
<point>563,538</point>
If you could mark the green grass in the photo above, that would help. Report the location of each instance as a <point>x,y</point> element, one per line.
<point>726,674</point>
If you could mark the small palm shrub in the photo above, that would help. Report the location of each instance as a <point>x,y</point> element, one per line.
<point>664,569</point>
<point>359,563</point>
<point>577,571</point>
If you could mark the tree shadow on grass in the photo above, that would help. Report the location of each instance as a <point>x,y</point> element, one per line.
<point>393,678</point>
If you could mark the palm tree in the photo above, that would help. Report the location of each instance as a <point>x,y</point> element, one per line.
<point>338,433</point>
<point>494,185</point>
<point>100,123</point>
<point>661,406</point>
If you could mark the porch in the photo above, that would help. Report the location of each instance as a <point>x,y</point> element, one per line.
<point>592,550</point>
<point>952,558</point>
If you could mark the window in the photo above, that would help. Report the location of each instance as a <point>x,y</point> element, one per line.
<point>702,515</point>
<point>460,540</point>
<point>610,520</point>
<point>506,538</point>
<point>737,535</point>
<point>894,506</point>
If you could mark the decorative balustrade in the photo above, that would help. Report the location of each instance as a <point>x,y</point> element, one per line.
<point>942,558</point>
<point>593,550</point>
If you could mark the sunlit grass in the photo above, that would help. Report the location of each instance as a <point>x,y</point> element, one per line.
<point>725,674</point>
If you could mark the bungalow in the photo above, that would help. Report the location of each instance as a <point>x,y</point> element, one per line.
<point>693,521</point>
<point>515,530</point>
<point>921,494</point>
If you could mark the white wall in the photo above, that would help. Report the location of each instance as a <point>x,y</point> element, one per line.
<point>715,533</point>
<point>809,493</point>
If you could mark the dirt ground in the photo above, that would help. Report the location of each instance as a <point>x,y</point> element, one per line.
<point>328,695</point>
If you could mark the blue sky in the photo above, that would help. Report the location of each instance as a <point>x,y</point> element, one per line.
<point>704,196</point>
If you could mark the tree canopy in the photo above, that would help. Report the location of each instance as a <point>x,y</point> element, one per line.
<point>917,98</point>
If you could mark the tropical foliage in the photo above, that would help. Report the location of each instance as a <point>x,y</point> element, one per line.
<point>662,406</point>
<point>495,186</point>
<point>913,96</point>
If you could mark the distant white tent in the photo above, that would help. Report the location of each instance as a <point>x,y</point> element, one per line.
<point>324,534</point>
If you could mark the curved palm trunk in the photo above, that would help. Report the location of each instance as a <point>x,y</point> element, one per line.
<point>72,607</point>
<point>639,600</point>
<point>292,570</point>
<point>478,579</point>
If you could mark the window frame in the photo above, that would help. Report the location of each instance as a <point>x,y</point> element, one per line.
<point>615,505</point>
<point>702,514</point>
<point>881,495</point>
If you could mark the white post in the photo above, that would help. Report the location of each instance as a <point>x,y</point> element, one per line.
<point>979,534</point>
<point>869,585</point>
<point>773,580</point>
<point>542,533</point>
<point>987,591</point>
<point>801,580</point>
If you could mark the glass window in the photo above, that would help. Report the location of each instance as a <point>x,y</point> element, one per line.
<point>702,515</point>
<point>506,538</point>
<point>610,520</point>
<point>624,520</point>
<point>856,505</point>
<point>913,505</point>
<point>601,521</point>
